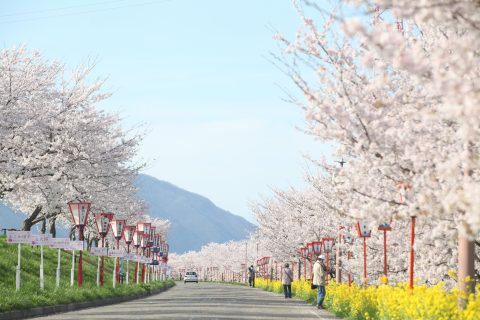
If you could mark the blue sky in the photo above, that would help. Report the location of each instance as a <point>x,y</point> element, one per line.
<point>196,75</point>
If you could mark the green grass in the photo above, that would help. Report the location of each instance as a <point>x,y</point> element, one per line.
<point>30,295</point>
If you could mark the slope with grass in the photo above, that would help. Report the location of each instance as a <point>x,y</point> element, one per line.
<point>30,295</point>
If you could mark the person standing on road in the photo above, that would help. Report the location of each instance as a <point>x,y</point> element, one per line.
<point>251,276</point>
<point>319,271</point>
<point>287,278</point>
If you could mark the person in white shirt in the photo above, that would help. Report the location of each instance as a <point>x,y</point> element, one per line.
<point>319,272</point>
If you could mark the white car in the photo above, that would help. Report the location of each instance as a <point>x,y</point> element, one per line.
<point>190,276</point>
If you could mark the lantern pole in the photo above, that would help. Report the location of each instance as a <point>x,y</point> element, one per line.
<point>364,231</point>
<point>102,263</point>
<point>338,270</point>
<point>349,276</point>
<point>364,262</point>
<point>136,266</point>
<point>72,269</point>
<point>80,259</point>
<point>385,253</point>
<point>412,251</point>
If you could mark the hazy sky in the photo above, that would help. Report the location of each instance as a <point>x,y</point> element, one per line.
<point>196,74</point>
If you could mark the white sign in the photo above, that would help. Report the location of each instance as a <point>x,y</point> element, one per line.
<point>129,256</point>
<point>99,251</point>
<point>75,245</point>
<point>59,243</point>
<point>138,258</point>
<point>39,239</point>
<point>116,253</point>
<point>18,236</point>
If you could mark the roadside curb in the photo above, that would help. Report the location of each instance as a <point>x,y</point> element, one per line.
<point>49,310</point>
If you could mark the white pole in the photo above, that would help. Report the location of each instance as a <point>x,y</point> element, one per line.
<point>127,272</point>
<point>58,269</point>
<point>98,272</point>
<point>17,276</point>
<point>72,270</point>
<point>41,267</point>
<point>114,272</point>
<point>138,269</point>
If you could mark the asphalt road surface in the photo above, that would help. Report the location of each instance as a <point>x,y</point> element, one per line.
<point>204,301</point>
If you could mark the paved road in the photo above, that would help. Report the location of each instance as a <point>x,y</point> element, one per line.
<point>204,301</point>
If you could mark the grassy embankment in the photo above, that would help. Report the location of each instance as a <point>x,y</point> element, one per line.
<point>30,295</point>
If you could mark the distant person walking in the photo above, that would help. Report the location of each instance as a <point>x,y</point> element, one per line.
<point>287,278</point>
<point>319,272</point>
<point>251,276</point>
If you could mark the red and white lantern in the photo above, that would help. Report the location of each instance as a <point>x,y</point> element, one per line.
<point>103,223</point>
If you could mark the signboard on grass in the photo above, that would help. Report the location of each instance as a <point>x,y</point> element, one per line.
<point>18,236</point>
<point>116,253</point>
<point>75,245</point>
<point>39,239</point>
<point>59,243</point>
<point>99,251</point>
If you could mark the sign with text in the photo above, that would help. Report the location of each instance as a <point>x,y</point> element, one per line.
<point>75,245</point>
<point>129,256</point>
<point>59,243</point>
<point>99,251</point>
<point>39,239</point>
<point>116,253</point>
<point>18,236</point>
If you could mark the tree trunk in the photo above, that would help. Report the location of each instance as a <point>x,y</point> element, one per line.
<point>44,226</point>
<point>72,233</point>
<point>466,268</point>
<point>29,221</point>
<point>53,230</point>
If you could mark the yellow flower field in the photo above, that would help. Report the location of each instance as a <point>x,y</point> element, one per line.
<point>384,301</point>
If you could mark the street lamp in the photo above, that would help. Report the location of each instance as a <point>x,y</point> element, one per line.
<point>118,225</point>
<point>103,224</point>
<point>328,245</point>
<point>145,228</point>
<point>144,245</point>
<point>348,239</point>
<point>128,233</point>
<point>304,253</point>
<point>80,211</point>
<point>137,239</point>
<point>310,254</point>
<point>317,247</point>
<point>385,227</point>
<point>364,231</point>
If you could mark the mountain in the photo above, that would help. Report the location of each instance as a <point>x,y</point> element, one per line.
<point>195,220</point>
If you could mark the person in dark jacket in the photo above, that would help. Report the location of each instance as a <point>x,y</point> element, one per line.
<point>251,276</point>
<point>287,278</point>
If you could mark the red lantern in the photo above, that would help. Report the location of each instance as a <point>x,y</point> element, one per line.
<point>317,247</point>
<point>328,244</point>
<point>364,231</point>
<point>151,238</point>
<point>128,233</point>
<point>80,211</point>
<point>145,227</point>
<point>103,223</point>
<point>117,229</point>
<point>310,248</point>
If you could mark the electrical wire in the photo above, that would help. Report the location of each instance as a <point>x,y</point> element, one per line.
<point>86,12</point>
<point>96,3</point>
